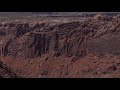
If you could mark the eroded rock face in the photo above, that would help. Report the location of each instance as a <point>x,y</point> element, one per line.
<point>67,39</point>
<point>18,29</point>
<point>59,50</point>
<point>9,32</point>
<point>61,40</point>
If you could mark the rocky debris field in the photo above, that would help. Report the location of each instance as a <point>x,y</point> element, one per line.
<point>6,72</point>
<point>74,49</point>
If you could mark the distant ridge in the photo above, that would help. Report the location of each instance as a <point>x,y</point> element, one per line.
<point>73,13</point>
<point>21,14</point>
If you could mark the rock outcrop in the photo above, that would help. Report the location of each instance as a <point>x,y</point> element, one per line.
<point>67,39</point>
<point>55,40</point>
<point>76,49</point>
<point>6,72</point>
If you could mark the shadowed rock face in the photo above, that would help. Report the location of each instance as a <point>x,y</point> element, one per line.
<point>11,31</point>
<point>6,72</point>
<point>68,39</point>
<point>56,40</point>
